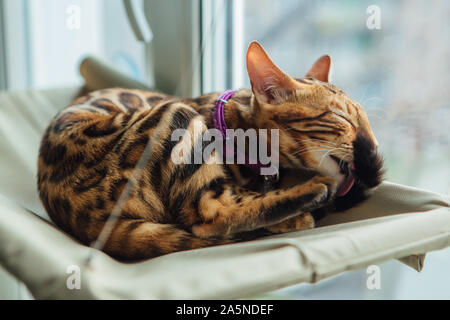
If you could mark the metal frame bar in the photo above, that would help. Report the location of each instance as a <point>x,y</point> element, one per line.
<point>3,64</point>
<point>222,43</point>
<point>15,43</point>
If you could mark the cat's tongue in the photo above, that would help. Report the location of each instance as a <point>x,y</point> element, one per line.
<point>346,185</point>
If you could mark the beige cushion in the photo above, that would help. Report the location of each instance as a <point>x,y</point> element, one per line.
<point>398,222</point>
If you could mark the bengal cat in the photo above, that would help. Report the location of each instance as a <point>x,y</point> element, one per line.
<point>90,149</point>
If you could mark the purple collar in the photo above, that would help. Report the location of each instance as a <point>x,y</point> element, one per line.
<point>221,125</point>
<point>219,112</point>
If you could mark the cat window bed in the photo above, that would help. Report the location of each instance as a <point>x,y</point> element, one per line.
<point>397,222</point>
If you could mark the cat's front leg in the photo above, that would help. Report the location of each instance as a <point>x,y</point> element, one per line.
<point>229,213</point>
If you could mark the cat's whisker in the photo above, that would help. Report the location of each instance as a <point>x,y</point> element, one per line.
<point>343,157</point>
<point>323,157</point>
<point>372,114</point>
<point>305,150</point>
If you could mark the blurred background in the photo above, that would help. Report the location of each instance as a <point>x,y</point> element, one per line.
<point>400,74</point>
<point>390,56</point>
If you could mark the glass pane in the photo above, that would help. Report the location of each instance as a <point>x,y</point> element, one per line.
<point>399,73</point>
<point>60,33</point>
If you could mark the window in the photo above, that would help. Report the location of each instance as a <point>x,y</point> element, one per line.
<point>45,40</point>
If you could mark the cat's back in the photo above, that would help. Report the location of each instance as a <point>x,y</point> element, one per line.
<point>90,149</point>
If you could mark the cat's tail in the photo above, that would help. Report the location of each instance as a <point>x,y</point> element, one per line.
<point>137,239</point>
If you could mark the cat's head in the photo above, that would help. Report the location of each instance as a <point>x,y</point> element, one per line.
<point>320,127</point>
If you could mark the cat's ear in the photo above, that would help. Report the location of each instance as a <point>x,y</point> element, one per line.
<point>268,81</point>
<point>320,69</point>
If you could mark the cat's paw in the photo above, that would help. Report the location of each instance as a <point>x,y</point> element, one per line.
<point>329,183</point>
<point>322,190</point>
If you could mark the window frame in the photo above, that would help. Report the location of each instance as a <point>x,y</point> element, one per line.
<point>171,54</point>
<point>222,56</point>
<point>3,70</point>
<point>15,44</point>
<point>201,51</point>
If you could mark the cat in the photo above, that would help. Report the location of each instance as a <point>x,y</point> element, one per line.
<point>89,152</point>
